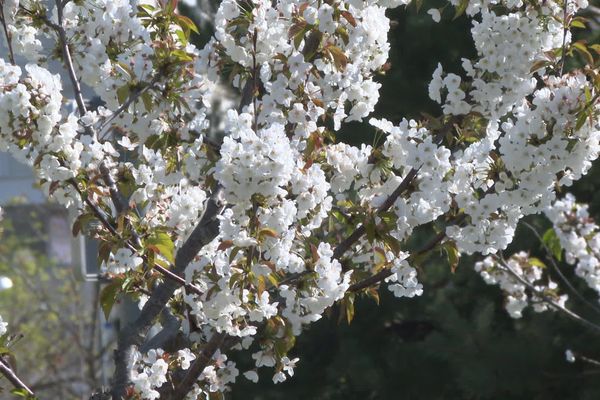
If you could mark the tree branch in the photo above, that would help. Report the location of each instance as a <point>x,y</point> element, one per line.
<point>195,370</point>
<point>361,230</point>
<point>68,60</point>
<point>547,299</point>
<point>132,336</point>
<point>389,202</point>
<point>9,374</point>
<point>558,271</point>
<point>383,274</point>
<point>170,330</point>
<point>11,53</point>
<point>115,195</point>
<point>132,97</point>
<point>206,230</point>
<point>564,38</point>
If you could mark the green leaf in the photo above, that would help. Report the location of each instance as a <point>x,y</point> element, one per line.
<point>393,243</point>
<point>123,93</point>
<point>296,28</point>
<point>538,65</point>
<point>588,94</point>
<point>338,56</point>
<point>373,293</point>
<point>579,22</point>
<point>186,23</point>
<point>147,7</point>
<point>583,50</point>
<point>452,254</point>
<point>312,44</point>
<point>183,36</point>
<point>536,262</point>
<point>235,279</point>
<point>297,31</point>
<point>181,55</point>
<point>343,34</point>
<point>370,228</point>
<point>147,100</point>
<point>104,251</point>
<point>581,118</point>
<point>108,296</point>
<point>125,69</point>
<point>23,393</point>
<point>81,223</point>
<point>273,279</point>
<point>552,242</point>
<point>349,306</point>
<point>283,345</point>
<point>162,241</point>
<point>263,232</point>
<point>461,8</point>
<point>234,253</point>
<point>170,6</point>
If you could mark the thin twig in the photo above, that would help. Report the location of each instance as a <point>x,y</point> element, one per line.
<point>9,374</point>
<point>104,221</point>
<point>588,360</point>
<point>114,193</point>
<point>385,273</point>
<point>345,245</point>
<point>178,279</point>
<point>132,97</point>
<point>564,38</point>
<point>558,271</point>
<point>68,60</point>
<point>97,212</point>
<point>547,299</point>
<point>11,53</point>
<point>361,230</point>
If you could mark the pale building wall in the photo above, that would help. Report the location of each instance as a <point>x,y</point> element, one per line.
<point>16,179</point>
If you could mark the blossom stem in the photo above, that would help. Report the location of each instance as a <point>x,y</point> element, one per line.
<point>11,53</point>
<point>68,60</point>
<point>385,273</point>
<point>564,38</point>
<point>361,230</point>
<point>547,299</point>
<point>589,360</point>
<point>558,271</point>
<point>123,107</point>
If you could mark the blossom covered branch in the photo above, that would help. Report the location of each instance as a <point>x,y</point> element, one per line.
<point>248,242</point>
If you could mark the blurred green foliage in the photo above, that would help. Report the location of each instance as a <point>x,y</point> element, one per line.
<point>45,309</point>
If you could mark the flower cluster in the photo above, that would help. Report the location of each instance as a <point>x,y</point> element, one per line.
<point>150,370</point>
<point>149,373</point>
<point>214,378</point>
<point>520,279</point>
<point>574,232</point>
<point>579,237</point>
